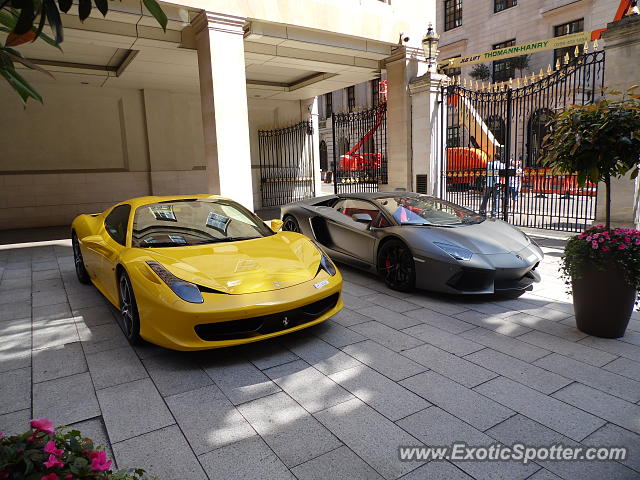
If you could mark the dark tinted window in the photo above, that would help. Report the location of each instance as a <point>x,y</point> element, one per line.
<point>503,70</point>
<point>452,14</point>
<point>499,5</point>
<point>566,29</point>
<point>116,223</point>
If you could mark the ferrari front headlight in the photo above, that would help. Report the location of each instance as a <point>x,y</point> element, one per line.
<point>459,253</point>
<point>187,291</point>
<point>327,265</point>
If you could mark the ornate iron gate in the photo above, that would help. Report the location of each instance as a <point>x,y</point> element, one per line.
<point>491,160</point>
<point>286,164</point>
<point>360,149</point>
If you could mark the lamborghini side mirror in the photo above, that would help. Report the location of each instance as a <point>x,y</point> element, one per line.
<point>362,218</point>
<point>275,224</point>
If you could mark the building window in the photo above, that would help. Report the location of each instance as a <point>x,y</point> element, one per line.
<point>503,70</point>
<point>566,29</point>
<point>351,98</point>
<point>452,14</point>
<point>375,92</point>
<point>499,5</point>
<point>453,137</point>
<point>328,105</point>
<point>452,71</point>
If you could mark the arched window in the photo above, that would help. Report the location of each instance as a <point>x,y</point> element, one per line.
<point>324,159</point>
<point>497,126</point>
<point>536,131</point>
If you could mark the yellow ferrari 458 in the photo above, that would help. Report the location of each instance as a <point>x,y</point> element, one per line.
<point>198,272</point>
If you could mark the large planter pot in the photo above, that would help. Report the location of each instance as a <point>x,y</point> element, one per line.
<point>603,301</point>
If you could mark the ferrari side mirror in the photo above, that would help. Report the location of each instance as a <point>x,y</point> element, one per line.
<point>362,218</point>
<point>275,224</point>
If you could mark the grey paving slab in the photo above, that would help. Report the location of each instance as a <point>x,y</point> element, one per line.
<point>65,400</point>
<point>49,297</point>
<point>522,372</point>
<point>445,340</point>
<point>384,395</point>
<point>208,419</point>
<point>462,402</point>
<point>385,361</point>
<point>45,285</point>
<point>115,366</point>
<point>449,365</point>
<point>131,409</point>
<point>389,317</point>
<point>356,290</point>
<point>441,470</point>
<point>520,429</point>
<point>89,298</point>
<point>551,311</point>
<point>435,427</point>
<point>631,337</point>
<point>15,283</point>
<point>337,335</point>
<point>593,376</point>
<point>176,372</point>
<point>606,406</point>
<point>306,385</point>
<point>249,459</point>
<point>163,452</point>
<point>625,367</point>
<point>53,333</point>
<point>353,302</point>
<point>95,430</point>
<point>505,344</point>
<point>50,264</point>
<point>15,344</point>
<point>52,312</point>
<point>347,317</point>
<point>567,332</point>
<point>488,307</point>
<point>447,307</point>
<point>399,305</point>
<point>495,323</point>
<point>59,361</point>
<point>543,474</point>
<point>269,354</point>
<point>15,423</point>
<point>10,274</point>
<point>546,410</point>
<point>18,295</point>
<point>387,336</point>
<point>575,350</point>
<point>93,316</point>
<point>13,311</point>
<point>291,432</point>
<point>613,346</point>
<point>338,464</point>
<point>614,436</point>
<point>239,379</point>
<point>439,320</point>
<point>318,353</point>
<point>99,338</point>
<point>370,435</point>
<point>15,390</point>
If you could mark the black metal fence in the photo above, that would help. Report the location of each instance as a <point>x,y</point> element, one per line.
<point>360,149</point>
<point>286,164</point>
<point>491,160</point>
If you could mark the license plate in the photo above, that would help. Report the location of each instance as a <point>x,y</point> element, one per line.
<point>321,284</point>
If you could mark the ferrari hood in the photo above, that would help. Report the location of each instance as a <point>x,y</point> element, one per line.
<point>247,266</point>
<point>489,237</point>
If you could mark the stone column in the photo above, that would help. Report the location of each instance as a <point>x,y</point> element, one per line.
<point>401,68</point>
<point>225,117</point>
<point>426,129</point>
<point>622,48</point>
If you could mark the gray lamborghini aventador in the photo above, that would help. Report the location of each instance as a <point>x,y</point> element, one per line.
<point>415,240</point>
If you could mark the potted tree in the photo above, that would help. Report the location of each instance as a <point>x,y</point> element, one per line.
<point>599,142</point>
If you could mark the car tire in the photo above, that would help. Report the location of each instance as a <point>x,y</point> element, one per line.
<point>129,318</point>
<point>78,261</point>
<point>396,265</point>
<point>290,224</point>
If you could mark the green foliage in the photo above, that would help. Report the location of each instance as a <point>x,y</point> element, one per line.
<point>597,141</point>
<point>480,72</point>
<point>520,63</point>
<point>24,20</point>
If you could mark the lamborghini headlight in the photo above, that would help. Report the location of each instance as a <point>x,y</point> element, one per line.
<point>187,291</point>
<point>454,251</point>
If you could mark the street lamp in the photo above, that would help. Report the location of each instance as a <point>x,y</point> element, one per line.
<point>430,46</point>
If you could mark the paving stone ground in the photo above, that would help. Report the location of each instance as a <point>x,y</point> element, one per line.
<point>333,401</point>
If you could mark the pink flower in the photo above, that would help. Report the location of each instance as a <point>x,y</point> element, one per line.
<point>50,447</point>
<point>1,435</point>
<point>594,245</point>
<point>588,238</point>
<point>627,239</point>
<point>99,461</point>
<point>51,476</point>
<point>601,239</point>
<point>53,462</point>
<point>605,249</point>
<point>68,477</point>
<point>637,241</point>
<point>622,246</point>
<point>42,425</point>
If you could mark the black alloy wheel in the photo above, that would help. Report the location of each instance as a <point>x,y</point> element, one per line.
<point>81,271</point>
<point>396,265</point>
<point>290,224</point>
<point>130,321</point>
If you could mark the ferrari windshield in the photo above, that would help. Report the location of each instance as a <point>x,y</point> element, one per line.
<point>181,223</point>
<point>425,210</point>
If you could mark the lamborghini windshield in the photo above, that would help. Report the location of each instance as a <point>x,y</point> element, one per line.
<point>181,223</point>
<point>425,210</point>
